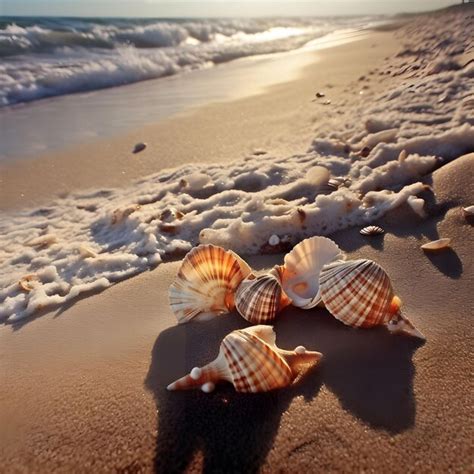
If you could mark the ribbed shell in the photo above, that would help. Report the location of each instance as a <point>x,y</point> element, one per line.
<point>300,275</point>
<point>372,230</point>
<point>253,364</point>
<point>250,359</point>
<point>206,282</point>
<point>258,299</point>
<point>357,292</point>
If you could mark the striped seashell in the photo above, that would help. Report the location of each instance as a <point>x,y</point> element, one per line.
<point>300,272</point>
<point>259,299</point>
<point>251,361</point>
<point>372,230</point>
<point>359,293</point>
<point>206,282</point>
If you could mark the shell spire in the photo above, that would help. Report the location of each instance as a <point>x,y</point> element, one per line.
<point>206,282</point>
<point>251,361</point>
<point>359,293</point>
<point>259,299</point>
<point>400,324</point>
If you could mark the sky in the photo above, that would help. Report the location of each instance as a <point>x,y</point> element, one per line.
<point>214,8</point>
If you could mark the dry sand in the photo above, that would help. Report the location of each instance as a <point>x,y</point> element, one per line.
<point>83,389</point>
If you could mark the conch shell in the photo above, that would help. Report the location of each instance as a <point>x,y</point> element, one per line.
<point>251,361</point>
<point>259,299</point>
<point>300,272</point>
<point>359,293</point>
<point>206,282</point>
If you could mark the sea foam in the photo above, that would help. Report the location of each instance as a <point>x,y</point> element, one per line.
<point>88,241</point>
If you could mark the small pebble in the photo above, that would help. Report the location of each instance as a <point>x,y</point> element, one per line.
<point>139,147</point>
<point>274,240</point>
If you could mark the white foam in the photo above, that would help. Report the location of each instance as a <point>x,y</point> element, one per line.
<point>86,242</point>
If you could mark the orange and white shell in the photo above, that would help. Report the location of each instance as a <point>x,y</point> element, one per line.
<point>206,282</point>
<point>259,299</point>
<point>251,361</point>
<point>300,272</point>
<point>359,293</point>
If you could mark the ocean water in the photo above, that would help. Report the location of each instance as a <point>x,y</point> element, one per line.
<point>46,57</point>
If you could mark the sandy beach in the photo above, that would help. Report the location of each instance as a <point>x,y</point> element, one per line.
<point>83,384</point>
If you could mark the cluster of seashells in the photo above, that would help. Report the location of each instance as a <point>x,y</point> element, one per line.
<point>214,281</point>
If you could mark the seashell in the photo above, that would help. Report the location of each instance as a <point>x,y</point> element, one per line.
<point>436,245</point>
<point>259,299</point>
<point>402,156</point>
<point>86,252</point>
<point>359,293</point>
<point>25,282</point>
<point>372,230</point>
<point>417,204</point>
<point>320,94</point>
<point>119,215</point>
<point>139,147</point>
<point>171,214</point>
<point>43,241</point>
<point>300,275</point>
<point>250,360</point>
<point>468,212</point>
<point>365,152</point>
<point>206,282</point>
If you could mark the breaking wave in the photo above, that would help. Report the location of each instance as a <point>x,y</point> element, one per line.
<point>48,57</point>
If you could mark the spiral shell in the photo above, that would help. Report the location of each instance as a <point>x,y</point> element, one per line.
<point>359,293</point>
<point>372,230</point>
<point>206,282</point>
<point>251,361</point>
<point>300,275</point>
<point>258,299</point>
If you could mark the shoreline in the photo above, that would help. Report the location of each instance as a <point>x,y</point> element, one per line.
<point>181,137</point>
<point>105,114</point>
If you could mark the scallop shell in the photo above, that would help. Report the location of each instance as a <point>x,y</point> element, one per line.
<point>372,230</point>
<point>259,299</point>
<point>436,245</point>
<point>26,283</point>
<point>251,361</point>
<point>206,282</point>
<point>359,293</point>
<point>300,275</point>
